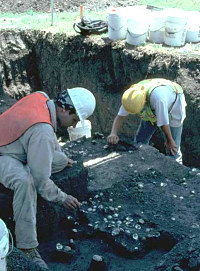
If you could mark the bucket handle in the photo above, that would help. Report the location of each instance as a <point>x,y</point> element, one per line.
<point>11,247</point>
<point>135,35</point>
<point>162,27</point>
<point>116,29</point>
<point>174,32</point>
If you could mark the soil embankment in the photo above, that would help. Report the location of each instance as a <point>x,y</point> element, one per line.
<point>32,60</point>
<point>140,204</point>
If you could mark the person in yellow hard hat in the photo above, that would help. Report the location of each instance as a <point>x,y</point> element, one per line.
<point>159,103</point>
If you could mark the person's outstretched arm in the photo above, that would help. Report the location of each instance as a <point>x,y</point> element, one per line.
<point>170,143</point>
<point>117,123</point>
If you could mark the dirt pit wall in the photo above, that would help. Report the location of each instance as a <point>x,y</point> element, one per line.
<point>32,60</point>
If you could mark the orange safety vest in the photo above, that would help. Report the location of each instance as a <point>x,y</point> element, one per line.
<point>22,115</point>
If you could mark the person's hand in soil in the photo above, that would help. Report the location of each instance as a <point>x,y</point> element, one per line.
<point>70,162</point>
<point>113,139</point>
<point>171,147</point>
<point>117,123</point>
<point>71,203</point>
<point>170,143</point>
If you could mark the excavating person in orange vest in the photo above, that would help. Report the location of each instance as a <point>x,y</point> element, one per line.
<point>159,103</point>
<point>30,153</point>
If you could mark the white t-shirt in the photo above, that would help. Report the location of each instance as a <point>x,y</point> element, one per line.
<point>162,103</point>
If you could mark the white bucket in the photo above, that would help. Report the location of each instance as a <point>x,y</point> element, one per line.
<point>117,24</point>
<point>175,28</point>
<point>4,245</point>
<point>157,27</point>
<point>79,131</point>
<point>137,30</point>
<point>131,11</point>
<point>193,27</point>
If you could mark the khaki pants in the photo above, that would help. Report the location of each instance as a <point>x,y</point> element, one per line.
<point>17,177</point>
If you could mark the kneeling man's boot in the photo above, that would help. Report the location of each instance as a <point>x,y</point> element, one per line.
<point>33,255</point>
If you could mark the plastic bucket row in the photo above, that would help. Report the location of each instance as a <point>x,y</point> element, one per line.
<point>171,26</point>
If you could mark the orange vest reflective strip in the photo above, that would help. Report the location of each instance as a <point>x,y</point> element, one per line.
<point>28,111</point>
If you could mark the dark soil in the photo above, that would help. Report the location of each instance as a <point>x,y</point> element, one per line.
<point>148,186</point>
<point>132,191</point>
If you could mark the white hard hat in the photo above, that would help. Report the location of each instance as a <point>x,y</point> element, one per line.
<point>83,101</point>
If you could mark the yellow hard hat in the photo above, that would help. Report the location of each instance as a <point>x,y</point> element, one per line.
<point>134,99</point>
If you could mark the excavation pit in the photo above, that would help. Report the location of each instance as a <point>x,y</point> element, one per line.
<point>37,61</point>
